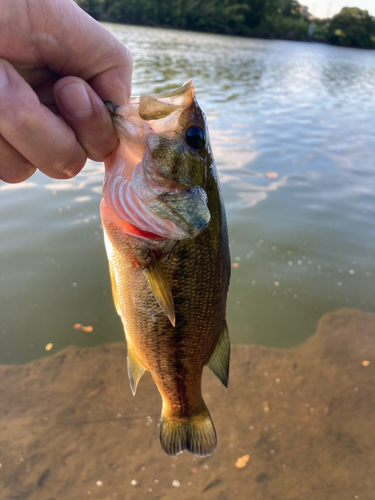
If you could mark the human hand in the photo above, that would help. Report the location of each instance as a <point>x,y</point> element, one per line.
<point>57,66</point>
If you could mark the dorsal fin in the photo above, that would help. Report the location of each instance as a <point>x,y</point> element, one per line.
<point>160,288</point>
<point>219,360</point>
<point>135,370</point>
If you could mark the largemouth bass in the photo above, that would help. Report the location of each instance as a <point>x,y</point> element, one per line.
<point>167,245</point>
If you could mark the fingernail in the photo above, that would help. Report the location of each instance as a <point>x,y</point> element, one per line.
<point>4,79</point>
<point>75,100</point>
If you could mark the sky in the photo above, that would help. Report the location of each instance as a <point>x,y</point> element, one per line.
<point>328,8</point>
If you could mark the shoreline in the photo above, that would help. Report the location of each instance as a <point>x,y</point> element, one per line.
<point>71,429</point>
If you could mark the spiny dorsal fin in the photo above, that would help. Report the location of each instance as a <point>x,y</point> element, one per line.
<point>160,288</point>
<point>135,370</point>
<point>219,360</point>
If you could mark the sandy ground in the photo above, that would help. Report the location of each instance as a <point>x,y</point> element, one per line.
<point>70,428</point>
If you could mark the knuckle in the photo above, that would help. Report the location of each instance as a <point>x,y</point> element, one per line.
<point>15,126</point>
<point>18,116</point>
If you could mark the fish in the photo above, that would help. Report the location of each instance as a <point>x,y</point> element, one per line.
<point>166,239</point>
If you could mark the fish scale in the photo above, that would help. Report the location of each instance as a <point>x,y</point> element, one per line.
<point>171,292</point>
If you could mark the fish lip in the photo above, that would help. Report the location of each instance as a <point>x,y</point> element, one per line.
<point>111,107</point>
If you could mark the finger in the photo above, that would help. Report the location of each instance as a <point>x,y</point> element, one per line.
<point>43,138</point>
<point>13,166</point>
<point>78,46</point>
<point>41,80</point>
<point>86,113</point>
<point>44,91</point>
<point>82,47</point>
<point>35,74</point>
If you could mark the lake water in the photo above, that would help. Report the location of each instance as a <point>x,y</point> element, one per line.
<point>293,132</point>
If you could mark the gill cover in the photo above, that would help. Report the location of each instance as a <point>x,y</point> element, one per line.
<point>156,178</point>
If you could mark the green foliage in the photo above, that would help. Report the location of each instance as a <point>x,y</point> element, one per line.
<point>352,27</point>
<point>288,27</point>
<point>321,33</point>
<point>281,19</point>
<point>219,16</point>
<point>93,7</point>
<point>321,29</point>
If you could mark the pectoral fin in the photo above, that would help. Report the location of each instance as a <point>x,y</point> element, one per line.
<point>219,360</point>
<point>160,288</point>
<point>135,370</point>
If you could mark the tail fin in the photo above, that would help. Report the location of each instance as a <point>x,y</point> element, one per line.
<point>195,434</point>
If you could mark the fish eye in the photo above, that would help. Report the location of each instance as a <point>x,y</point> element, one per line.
<point>195,137</point>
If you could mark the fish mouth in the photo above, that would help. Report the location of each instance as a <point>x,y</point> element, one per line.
<point>138,187</point>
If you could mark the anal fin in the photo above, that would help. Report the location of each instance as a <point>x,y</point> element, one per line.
<point>135,370</point>
<point>219,360</point>
<point>160,288</point>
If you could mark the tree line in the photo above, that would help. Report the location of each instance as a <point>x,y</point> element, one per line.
<point>281,19</point>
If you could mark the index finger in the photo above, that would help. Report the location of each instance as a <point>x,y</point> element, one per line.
<point>71,43</point>
<point>92,53</point>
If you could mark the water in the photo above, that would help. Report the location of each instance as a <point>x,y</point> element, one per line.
<point>292,128</point>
